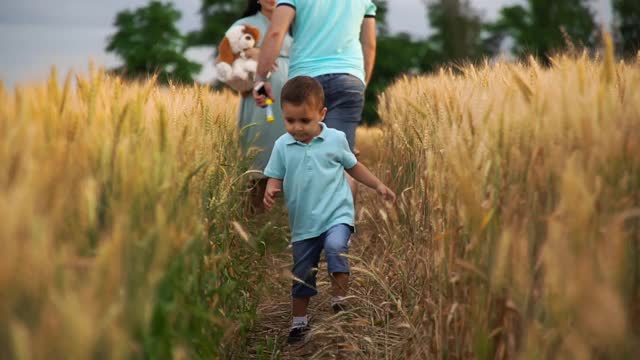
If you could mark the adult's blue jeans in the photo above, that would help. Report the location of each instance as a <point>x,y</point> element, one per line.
<point>344,99</point>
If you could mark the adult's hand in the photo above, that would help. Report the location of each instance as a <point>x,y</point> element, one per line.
<point>259,97</point>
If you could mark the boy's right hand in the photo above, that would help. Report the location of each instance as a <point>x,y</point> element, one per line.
<point>269,197</point>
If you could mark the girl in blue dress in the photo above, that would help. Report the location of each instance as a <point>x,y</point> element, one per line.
<point>255,131</point>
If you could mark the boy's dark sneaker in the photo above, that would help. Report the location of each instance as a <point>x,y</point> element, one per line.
<point>297,334</point>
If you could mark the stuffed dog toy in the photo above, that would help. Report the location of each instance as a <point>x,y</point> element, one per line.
<point>237,56</point>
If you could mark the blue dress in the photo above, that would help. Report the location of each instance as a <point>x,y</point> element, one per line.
<point>255,131</point>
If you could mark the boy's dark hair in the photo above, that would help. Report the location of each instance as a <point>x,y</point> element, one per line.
<point>302,90</point>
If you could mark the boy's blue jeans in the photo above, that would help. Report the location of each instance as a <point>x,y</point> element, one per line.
<point>344,99</point>
<point>306,255</point>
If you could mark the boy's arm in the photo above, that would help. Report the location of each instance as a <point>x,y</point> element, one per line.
<point>274,186</point>
<point>363,175</point>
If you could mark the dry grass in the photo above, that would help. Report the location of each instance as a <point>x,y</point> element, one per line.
<point>517,230</point>
<point>111,239</point>
<point>516,233</point>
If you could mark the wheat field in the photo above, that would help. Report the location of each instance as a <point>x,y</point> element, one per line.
<point>516,233</point>
<point>115,200</point>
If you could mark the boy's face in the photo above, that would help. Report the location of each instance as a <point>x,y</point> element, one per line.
<point>303,121</point>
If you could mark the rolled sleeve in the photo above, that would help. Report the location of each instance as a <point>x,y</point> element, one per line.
<point>347,158</point>
<point>291,3</point>
<point>275,167</point>
<point>371,10</point>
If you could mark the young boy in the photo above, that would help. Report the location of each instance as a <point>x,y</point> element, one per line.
<point>310,161</point>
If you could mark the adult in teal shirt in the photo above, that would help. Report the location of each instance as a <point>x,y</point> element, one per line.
<point>334,41</point>
<point>254,130</point>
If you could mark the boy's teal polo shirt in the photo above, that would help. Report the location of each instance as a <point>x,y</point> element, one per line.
<point>315,187</point>
<point>326,36</point>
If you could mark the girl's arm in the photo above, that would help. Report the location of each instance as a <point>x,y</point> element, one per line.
<point>363,175</point>
<point>280,21</point>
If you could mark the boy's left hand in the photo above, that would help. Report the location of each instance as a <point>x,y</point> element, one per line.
<point>386,193</point>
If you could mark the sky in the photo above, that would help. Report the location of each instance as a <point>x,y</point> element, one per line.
<point>35,34</point>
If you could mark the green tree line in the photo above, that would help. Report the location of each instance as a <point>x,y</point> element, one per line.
<point>147,39</point>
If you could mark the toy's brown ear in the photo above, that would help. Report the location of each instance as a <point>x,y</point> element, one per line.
<point>225,54</point>
<point>253,32</point>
